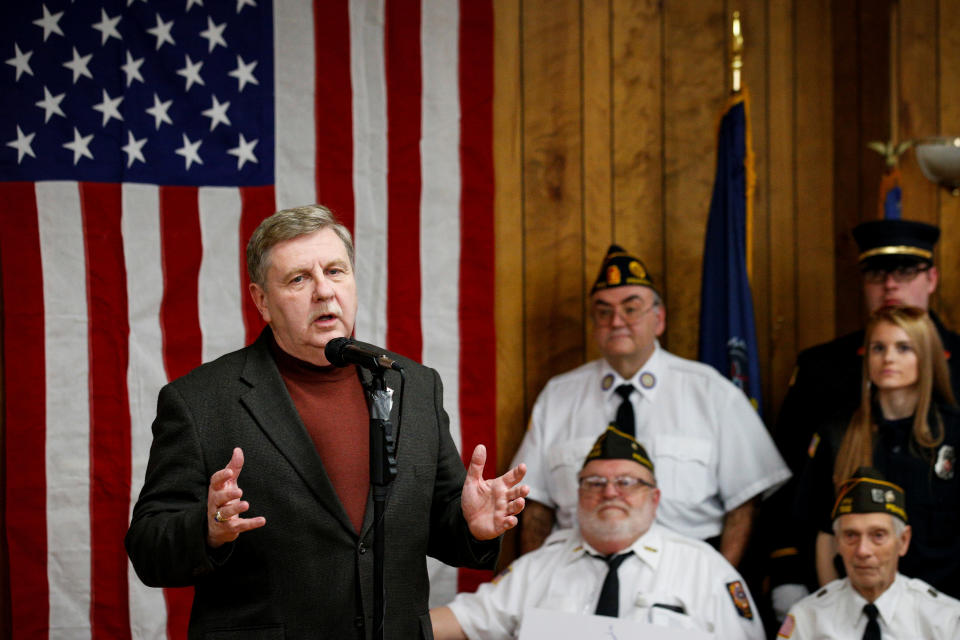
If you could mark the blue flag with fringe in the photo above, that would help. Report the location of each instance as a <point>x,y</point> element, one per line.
<point>728,336</point>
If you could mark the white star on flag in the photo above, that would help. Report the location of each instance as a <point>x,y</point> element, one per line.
<point>79,65</point>
<point>217,113</point>
<point>49,23</point>
<point>189,151</point>
<point>159,111</point>
<point>242,3</point>
<point>107,27</point>
<point>244,74</point>
<point>132,69</point>
<point>214,34</point>
<point>79,146</point>
<point>109,107</point>
<point>162,32</point>
<point>133,149</point>
<point>191,72</point>
<point>51,105</point>
<point>21,61</point>
<point>244,151</point>
<point>22,144</point>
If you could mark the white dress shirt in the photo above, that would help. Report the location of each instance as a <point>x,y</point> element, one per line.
<point>910,609</point>
<point>710,449</point>
<point>671,580</point>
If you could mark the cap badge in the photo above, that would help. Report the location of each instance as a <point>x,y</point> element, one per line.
<point>877,496</point>
<point>637,269</point>
<point>613,275</point>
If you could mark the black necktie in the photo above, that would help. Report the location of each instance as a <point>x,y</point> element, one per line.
<point>872,632</point>
<point>625,420</point>
<point>609,602</point>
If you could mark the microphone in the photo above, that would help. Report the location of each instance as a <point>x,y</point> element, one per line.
<point>342,352</point>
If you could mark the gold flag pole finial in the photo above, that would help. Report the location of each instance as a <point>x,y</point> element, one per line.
<point>736,52</point>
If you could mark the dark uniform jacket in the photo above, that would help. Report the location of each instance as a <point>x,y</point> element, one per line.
<point>306,573</point>
<point>929,479</point>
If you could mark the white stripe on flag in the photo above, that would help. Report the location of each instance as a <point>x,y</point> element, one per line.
<point>145,374</point>
<point>440,201</point>
<point>68,409</point>
<point>440,227</point>
<point>367,74</point>
<point>295,153</point>
<point>221,319</point>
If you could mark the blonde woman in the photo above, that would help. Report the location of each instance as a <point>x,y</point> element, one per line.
<point>908,427</point>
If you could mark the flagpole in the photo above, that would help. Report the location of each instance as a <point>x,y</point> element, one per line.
<point>736,54</point>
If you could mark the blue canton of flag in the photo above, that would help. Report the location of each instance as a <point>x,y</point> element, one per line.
<point>171,93</point>
<point>728,338</point>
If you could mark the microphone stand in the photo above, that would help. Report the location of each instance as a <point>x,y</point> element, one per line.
<point>383,470</point>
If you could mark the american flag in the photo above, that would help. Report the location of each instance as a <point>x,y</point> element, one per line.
<point>141,141</point>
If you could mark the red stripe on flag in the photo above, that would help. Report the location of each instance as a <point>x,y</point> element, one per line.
<point>333,109</point>
<point>110,467</point>
<point>256,203</point>
<point>25,410</point>
<point>478,394</point>
<point>404,84</point>
<point>182,251</point>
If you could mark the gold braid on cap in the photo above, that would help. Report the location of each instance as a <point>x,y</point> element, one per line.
<point>899,250</point>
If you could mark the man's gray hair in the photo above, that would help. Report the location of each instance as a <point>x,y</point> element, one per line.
<point>898,526</point>
<point>287,225</point>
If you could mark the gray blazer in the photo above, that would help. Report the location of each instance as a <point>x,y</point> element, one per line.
<point>306,574</point>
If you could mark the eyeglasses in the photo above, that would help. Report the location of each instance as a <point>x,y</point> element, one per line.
<point>900,274</point>
<point>630,311</point>
<point>623,484</point>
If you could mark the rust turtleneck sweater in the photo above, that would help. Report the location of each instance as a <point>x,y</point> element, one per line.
<point>333,407</point>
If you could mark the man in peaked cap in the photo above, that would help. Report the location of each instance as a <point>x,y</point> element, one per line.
<point>709,445</point>
<point>874,601</point>
<point>620,563</point>
<point>896,262</point>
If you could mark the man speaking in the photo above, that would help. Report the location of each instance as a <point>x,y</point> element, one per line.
<point>257,491</point>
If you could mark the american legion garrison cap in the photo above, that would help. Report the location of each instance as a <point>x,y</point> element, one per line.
<point>620,269</point>
<point>886,244</point>
<point>867,492</point>
<point>614,444</point>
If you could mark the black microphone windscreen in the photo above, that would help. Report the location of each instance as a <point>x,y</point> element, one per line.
<point>334,351</point>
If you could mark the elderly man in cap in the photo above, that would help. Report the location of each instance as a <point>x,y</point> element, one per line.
<point>896,260</point>
<point>874,601</point>
<point>712,452</point>
<point>619,563</point>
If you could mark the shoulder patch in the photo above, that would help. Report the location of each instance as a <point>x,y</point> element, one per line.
<point>740,600</point>
<point>822,592</point>
<point>786,629</point>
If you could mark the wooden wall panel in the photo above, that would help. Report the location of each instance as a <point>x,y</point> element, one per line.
<point>781,211</point>
<point>508,201</point>
<point>917,78</point>
<point>948,302</point>
<point>598,145</point>
<point>694,77</point>
<point>552,166</point>
<point>638,117</point>
<point>814,171</point>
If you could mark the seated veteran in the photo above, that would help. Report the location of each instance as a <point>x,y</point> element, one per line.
<point>618,562</point>
<point>874,601</point>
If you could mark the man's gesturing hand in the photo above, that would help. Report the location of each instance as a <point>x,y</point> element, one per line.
<point>490,506</point>
<point>224,506</point>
